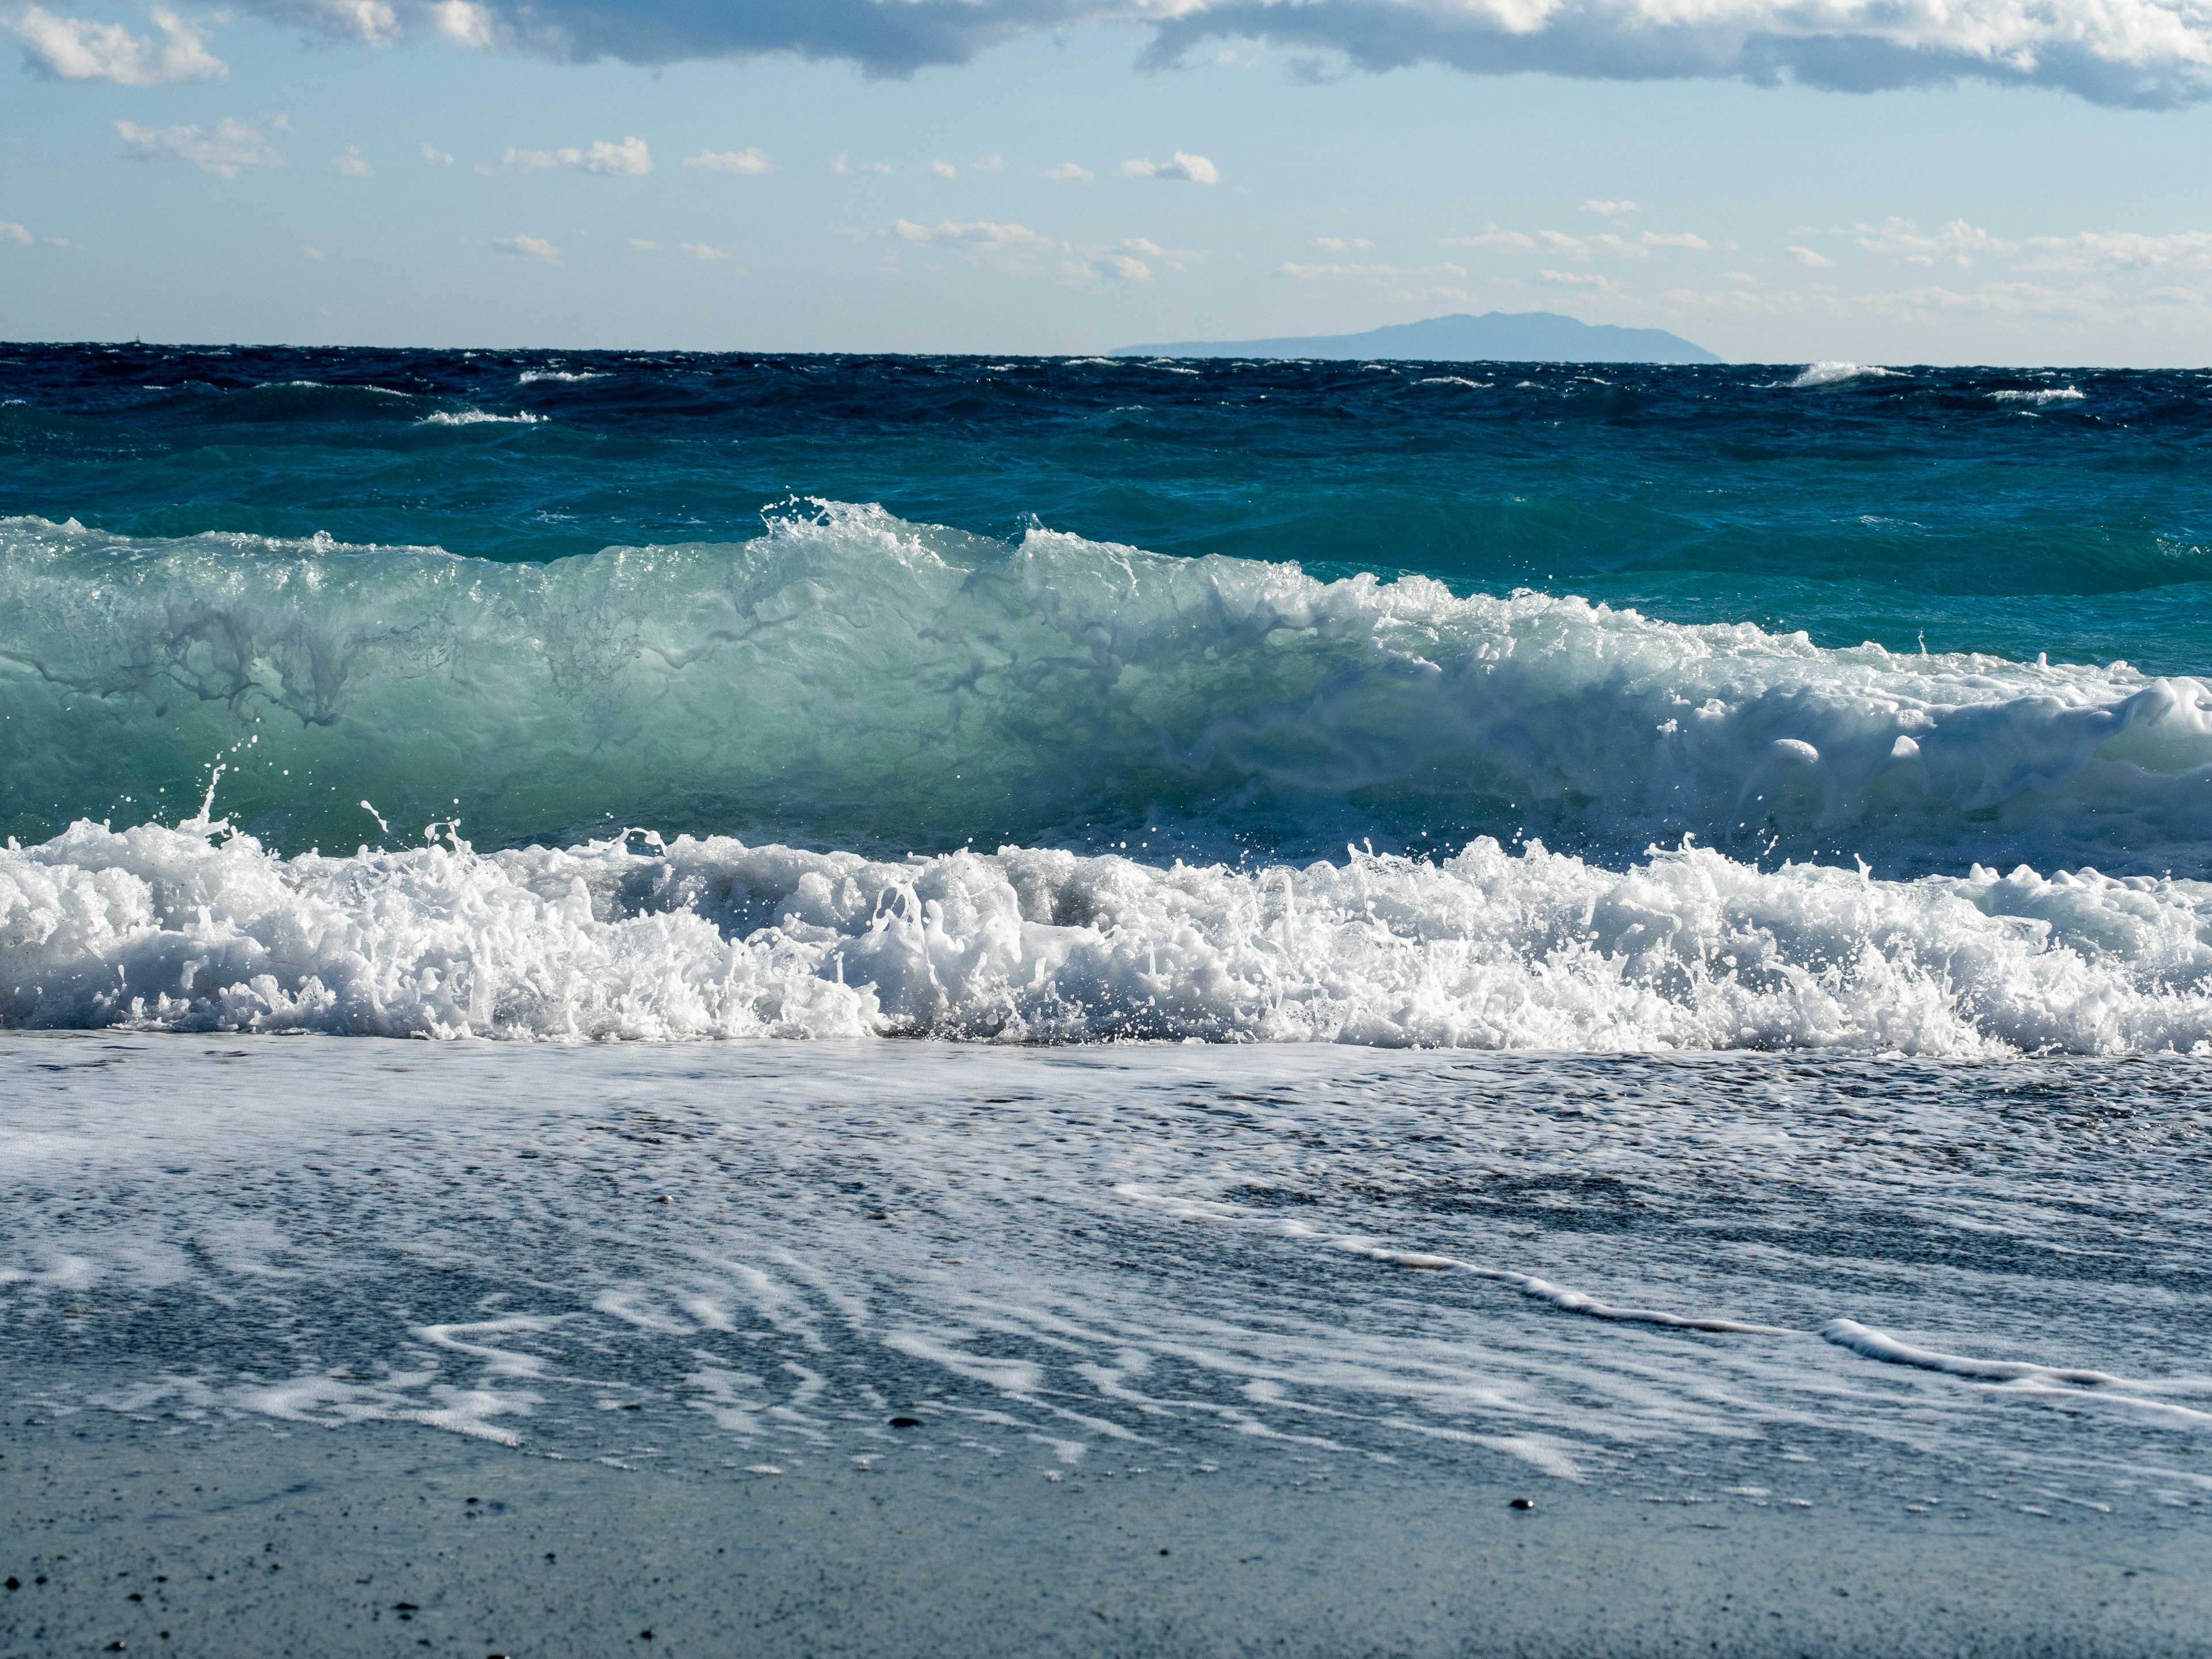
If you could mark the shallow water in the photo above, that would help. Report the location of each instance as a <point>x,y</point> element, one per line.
<point>1748,1281</point>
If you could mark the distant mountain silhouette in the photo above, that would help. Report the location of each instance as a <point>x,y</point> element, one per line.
<point>1509,336</point>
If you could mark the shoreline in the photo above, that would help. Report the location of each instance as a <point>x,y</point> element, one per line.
<point>310,1541</point>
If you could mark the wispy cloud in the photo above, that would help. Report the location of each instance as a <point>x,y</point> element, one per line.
<point>349,162</point>
<point>1338,244</point>
<point>1583,247</point>
<point>1373,273</point>
<point>1183,168</point>
<point>979,233</point>
<point>15,235</point>
<point>701,251</point>
<point>1806,255</point>
<point>1955,241</point>
<point>229,147</point>
<point>630,157</point>
<point>944,169</point>
<point>846,164</point>
<point>2123,250</point>
<point>79,49</point>
<point>749,160</point>
<point>1610,209</point>
<point>435,157</point>
<point>1118,267</point>
<point>1070,171</point>
<point>529,247</point>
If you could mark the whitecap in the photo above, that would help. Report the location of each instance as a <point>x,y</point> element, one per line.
<point>1831,373</point>
<point>1454,380</point>
<point>531,375</point>
<point>479,417</point>
<point>2064,394</point>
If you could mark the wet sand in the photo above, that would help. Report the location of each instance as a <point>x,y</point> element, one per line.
<point>243,1539</point>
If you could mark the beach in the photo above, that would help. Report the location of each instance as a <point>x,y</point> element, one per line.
<point>897,1348</point>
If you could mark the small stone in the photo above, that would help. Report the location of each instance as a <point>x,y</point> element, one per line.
<point>1524,1503</point>
<point>14,1582</point>
<point>906,1422</point>
<point>647,1634</point>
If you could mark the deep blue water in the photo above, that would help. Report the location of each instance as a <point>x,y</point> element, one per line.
<point>1940,503</point>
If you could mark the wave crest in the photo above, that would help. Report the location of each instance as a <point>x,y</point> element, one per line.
<point>854,680</point>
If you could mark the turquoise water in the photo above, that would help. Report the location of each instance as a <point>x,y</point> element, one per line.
<point>1732,634</point>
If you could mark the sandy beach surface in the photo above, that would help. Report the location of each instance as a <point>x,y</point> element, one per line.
<point>336,1346</point>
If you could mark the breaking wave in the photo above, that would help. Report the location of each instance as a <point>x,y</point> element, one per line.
<point>201,928</point>
<point>851,680</point>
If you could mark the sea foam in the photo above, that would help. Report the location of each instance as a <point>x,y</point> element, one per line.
<point>203,929</point>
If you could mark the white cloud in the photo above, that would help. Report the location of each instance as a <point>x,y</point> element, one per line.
<point>351,165</point>
<point>1182,166</point>
<point>1117,267</point>
<point>435,157</point>
<point>1447,295</point>
<point>1176,258</point>
<point>749,160</point>
<point>20,235</point>
<point>280,124</point>
<point>314,253</point>
<point>994,163</point>
<point>1492,237</point>
<point>368,22</point>
<point>976,233</point>
<point>1610,209</point>
<point>944,169</point>
<point>230,146</point>
<point>1070,170</point>
<point>1579,279</point>
<point>1806,255</point>
<point>2123,250</point>
<point>529,247</point>
<point>1954,241</point>
<point>630,157</point>
<point>78,49</point>
<point>1338,244</point>
<point>464,23</point>
<point>1375,273</point>
<point>701,251</point>
<point>845,163</point>
<point>1581,248</point>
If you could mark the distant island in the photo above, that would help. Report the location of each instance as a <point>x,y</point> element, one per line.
<point>1509,336</point>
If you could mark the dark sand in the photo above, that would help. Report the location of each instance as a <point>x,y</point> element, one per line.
<point>243,1541</point>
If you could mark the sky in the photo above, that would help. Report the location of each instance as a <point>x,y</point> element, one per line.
<point>1891,181</point>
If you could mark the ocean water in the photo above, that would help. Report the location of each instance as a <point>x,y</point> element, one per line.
<point>879,846</point>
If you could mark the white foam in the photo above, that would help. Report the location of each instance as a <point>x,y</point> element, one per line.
<point>1831,373</point>
<point>152,927</point>
<point>2064,394</point>
<point>531,375</point>
<point>1453,380</point>
<point>478,417</point>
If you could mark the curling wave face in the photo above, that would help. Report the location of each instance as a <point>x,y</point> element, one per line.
<point>847,679</point>
<point>203,929</point>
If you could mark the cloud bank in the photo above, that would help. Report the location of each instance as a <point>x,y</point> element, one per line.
<point>2115,52</point>
<point>80,49</point>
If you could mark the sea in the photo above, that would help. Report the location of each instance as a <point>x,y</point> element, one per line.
<point>1649,924</point>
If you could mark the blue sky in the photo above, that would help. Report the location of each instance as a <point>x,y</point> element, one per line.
<point>1780,181</point>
